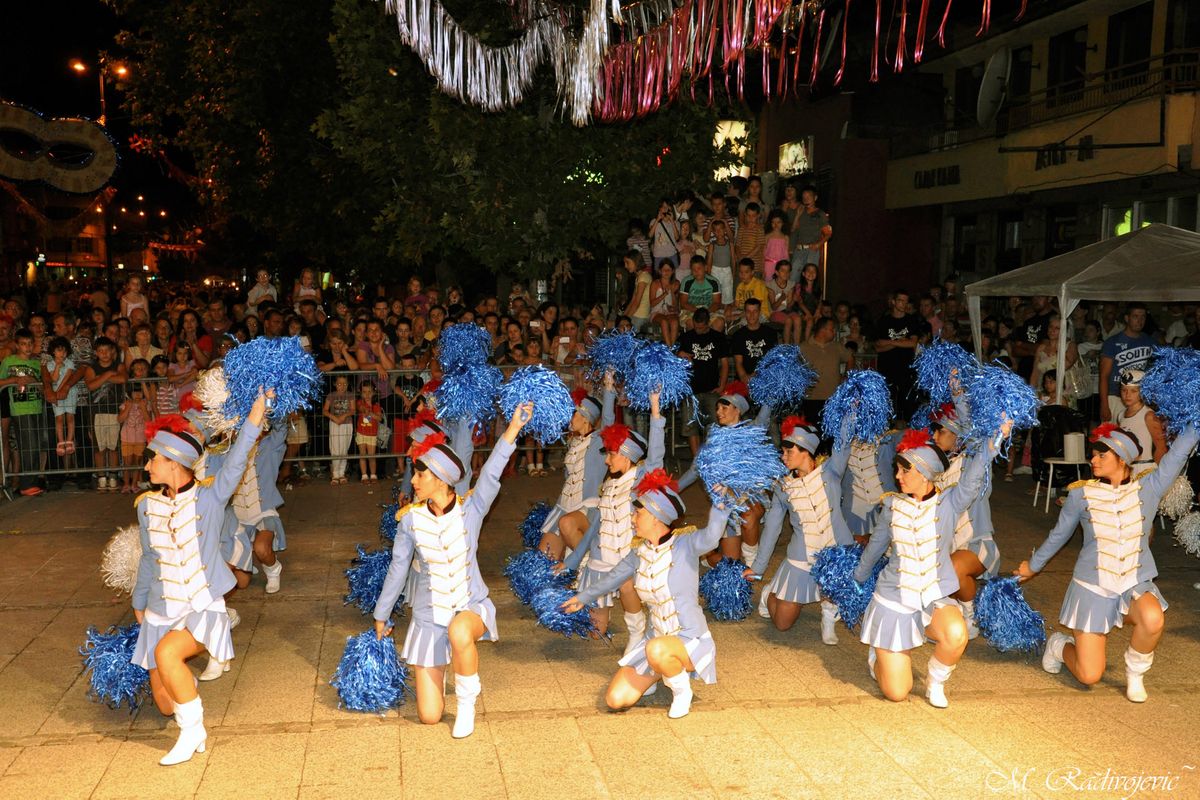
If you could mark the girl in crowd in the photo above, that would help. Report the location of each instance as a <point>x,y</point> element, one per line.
<point>806,298</point>
<point>609,537</point>
<point>584,467</point>
<point>367,415</point>
<point>663,564</point>
<point>306,288</point>
<point>778,292</point>
<point>1113,581</point>
<point>776,250</point>
<point>912,596</point>
<point>438,538</point>
<point>664,303</point>
<point>810,494</point>
<point>181,577</point>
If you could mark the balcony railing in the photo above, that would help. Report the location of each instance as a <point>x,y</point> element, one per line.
<point>1173,73</point>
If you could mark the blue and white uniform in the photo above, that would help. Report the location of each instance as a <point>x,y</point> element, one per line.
<point>919,577</point>
<point>608,538</point>
<point>257,499</point>
<point>182,579</point>
<point>666,577</point>
<point>868,477</point>
<point>585,469</point>
<point>443,550</point>
<point>813,504</point>
<point>1115,565</point>
<point>974,530</point>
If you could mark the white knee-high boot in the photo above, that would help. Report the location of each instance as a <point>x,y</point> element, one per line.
<point>214,669</point>
<point>1052,657</point>
<point>636,623</point>
<point>749,553</point>
<point>466,689</point>
<point>1136,666</point>
<point>968,612</point>
<point>681,688</point>
<point>829,618</point>
<point>192,735</point>
<point>939,673</point>
<point>272,571</point>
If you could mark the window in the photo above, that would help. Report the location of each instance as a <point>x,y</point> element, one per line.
<point>85,244</point>
<point>967,81</point>
<point>1184,213</point>
<point>1128,46</point>
<point>1066,68</point>
<point>1118,220</point>
<point>1183,40</point>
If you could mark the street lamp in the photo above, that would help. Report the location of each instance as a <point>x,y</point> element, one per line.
<point>120,70</point>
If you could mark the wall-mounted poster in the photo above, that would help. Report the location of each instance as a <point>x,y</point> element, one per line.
<point>796,158</point>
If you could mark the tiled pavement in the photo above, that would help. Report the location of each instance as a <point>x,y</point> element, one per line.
<point>789,718</point>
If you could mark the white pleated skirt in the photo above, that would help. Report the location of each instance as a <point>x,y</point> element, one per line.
<point>427,644</point>
<point>889,626</point>
<point>702,650</point>
<point>1085,610</point>
<point>209,627</point>
<point>988,554</point>
<point>793,584</point>
<point>589,577</point>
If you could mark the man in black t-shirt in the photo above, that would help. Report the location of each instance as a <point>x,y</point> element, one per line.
<point>749,343</point>
<point>709,353</point>
<point>896,339</point>
<point>1027,337</point>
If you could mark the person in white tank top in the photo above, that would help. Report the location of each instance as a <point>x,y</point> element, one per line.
<point>1138,419</point>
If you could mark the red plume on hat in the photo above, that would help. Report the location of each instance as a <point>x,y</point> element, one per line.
<point>1102,431</point>
<point>431,387</point>
<point>913,438</point>
<point>424,415</point>
<point>175,423</point>
<point>658,479</point>
<point>737,387</point>
<point>578,395</point>
<point>614,436</point>
<point>945,411</point>
<point>790,424</point>
<point>189,403</point>
<point>425,445</point>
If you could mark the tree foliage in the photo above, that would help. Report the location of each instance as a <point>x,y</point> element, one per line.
<point>310,124</point>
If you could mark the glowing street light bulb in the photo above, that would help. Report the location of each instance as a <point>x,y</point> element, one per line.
<point>79,66</point>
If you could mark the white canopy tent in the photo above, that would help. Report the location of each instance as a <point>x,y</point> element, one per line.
<point>1155,264</point>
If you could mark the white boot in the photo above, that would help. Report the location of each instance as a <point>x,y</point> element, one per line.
<point>763,610</point>
<point>192,736</point>
<point>871,658</point>
<point>939,673</point>
<point>829,618</point>
<point>235,618</point>
<point>681,687</point>
<point>214,669</point>
<point>1052,658</point>
<point>636,623</point>
<point>968,612</point>
<point>749,553</point>
<point>466,689</point>
<point>272,572</point>
<point>1136,666</point>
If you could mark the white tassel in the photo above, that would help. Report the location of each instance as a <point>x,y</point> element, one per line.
<point>1178,499</point>
<point>1187,533</point>
<point>119,562</point>
<point>212,393</point>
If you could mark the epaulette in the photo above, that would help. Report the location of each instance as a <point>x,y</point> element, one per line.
<point>207,481</point>
<point>1145,472</point>
<point>821,460</point>
<point>405,510</point>
<point>1078,484</point>
<point>138,500</point>
<point>685,529</point>
<point>886,495</point>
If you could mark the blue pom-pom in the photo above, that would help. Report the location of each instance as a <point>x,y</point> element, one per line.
<point>997,393</point>
<point>742,459</point>
<point>1172,385</point>
<point>469,393</point>
<point>530,571</point>
<point>552,403</point>
<point>833,570</point>
<point>864,394</point>
<point>531,526</point>
<point>370,677</point>
<point>937,363</point>
<point>463,345</point>
<point>279,364</point>
<point>387,522</point>
<point>657,369</point>
<point>365,578</point>
<point>611,351</point>
<point>922,418</point>
<point>546,605</point>
<point>1006,620</point>
<point>782,378</point>
<point>114,680</point>
<point>726,592</point>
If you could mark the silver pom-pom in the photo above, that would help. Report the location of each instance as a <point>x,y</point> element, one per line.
<point>119,562</point>
<point>1187,533</point>
<point>1178,499</point>
<point>212,393</point>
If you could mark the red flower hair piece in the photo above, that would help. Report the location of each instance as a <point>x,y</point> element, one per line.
<point>189,403</point>
<point>175,423</point>
<point>946,411</point>
<point>425,445</point>
<point>577,395</point>
<point>791,423</point>
<point>1102,431</point>
<point>431,387</point>
<point>424,415</point>
<point>614,436</point>
<point>913,438</point>
<point>737,387</point>
<point>658,479</point>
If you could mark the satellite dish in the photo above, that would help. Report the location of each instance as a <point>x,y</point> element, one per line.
<point>831,40</point>
<point>994,87</point>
